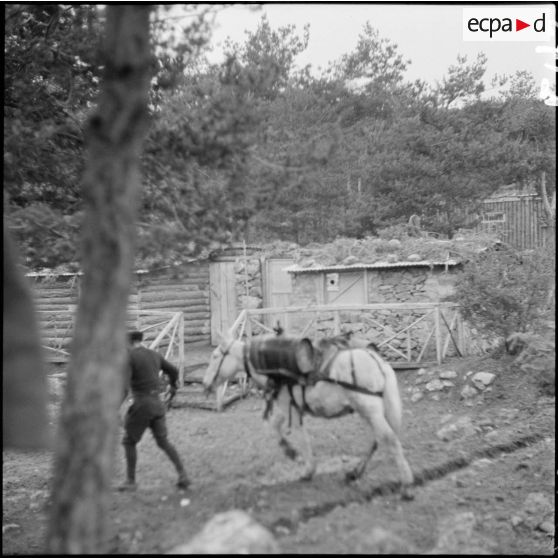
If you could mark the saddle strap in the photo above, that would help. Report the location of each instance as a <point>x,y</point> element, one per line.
<point>351,387</point>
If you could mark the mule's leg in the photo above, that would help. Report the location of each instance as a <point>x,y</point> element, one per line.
<point>357,471</point>
<point>309,459</point>
<point>374,415</point>
<point>277,421</point>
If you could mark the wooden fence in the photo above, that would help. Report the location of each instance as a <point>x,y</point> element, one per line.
<point>438,327</point>
<point>163,332</point>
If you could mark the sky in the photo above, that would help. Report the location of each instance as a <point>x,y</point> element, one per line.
<point>430,35</point>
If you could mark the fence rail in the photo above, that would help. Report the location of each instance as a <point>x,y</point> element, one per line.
<point>439,323</point>
<point>164,332</point>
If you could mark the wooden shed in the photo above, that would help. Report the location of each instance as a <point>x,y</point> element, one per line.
<point>396,304</point>
<point>516,214</point>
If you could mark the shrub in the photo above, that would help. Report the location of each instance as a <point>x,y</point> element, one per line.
<point>503,291</point>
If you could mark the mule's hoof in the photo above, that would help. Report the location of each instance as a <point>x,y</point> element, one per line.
<point>291,453</point>
<point>407,494</point>
<point>351,476</point>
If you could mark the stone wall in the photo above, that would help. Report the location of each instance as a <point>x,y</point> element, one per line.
<point>248,282</point>
<point>418,284</point>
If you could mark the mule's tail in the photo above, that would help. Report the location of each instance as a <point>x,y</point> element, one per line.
<point>392,399</point>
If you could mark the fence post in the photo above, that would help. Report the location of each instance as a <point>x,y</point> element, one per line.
<point>409,345</point>
<point>336,323</point>
<point>437,334</point>
<point>460,336</point>
<point>180,341</point>
<point>248,326</point>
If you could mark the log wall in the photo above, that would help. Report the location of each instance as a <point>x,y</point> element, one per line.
<point>182,289</point>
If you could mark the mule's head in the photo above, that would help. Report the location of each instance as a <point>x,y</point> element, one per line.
<point>225,361</point>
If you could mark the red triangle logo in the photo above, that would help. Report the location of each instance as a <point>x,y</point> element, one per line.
<point>519,25</point>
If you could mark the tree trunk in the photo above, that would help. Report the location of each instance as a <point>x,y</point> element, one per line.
<point>24,389</point>
<point>88,426</point>
<point>550,213</point>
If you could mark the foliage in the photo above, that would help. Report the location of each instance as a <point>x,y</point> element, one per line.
<point>51,77</point>
<point>503,291</point>
<point>253,148</point>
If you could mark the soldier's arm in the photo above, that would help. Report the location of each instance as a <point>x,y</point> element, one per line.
<point>171,371</point>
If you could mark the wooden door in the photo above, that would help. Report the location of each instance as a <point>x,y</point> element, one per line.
<point>345,288</point>
<point>277,289</point>
<point>222,294</point>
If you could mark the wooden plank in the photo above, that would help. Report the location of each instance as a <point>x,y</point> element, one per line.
<point>354,307</point>
<point>450,335</point>
<point>395,350</point>
<point>56,299</point>
<point>54,333</point>
<point>164,331</point>
<point>447,340</point>
<point>336,323</point>
<point>202,338</point>
<point>403,330</point>
<point>181,361</point>
<point>240,320</point>
<point>150,302</point>
<point>437,336</point>
<point>38,289</point>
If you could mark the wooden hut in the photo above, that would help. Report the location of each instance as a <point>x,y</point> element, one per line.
<point>516,214</point>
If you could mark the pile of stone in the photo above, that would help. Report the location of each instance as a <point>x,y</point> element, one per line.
<point>350,251</point>
<point>434,383</point>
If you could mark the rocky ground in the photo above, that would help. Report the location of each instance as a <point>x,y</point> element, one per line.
<point>482,448</point>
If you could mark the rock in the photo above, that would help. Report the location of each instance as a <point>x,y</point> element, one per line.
<point>392,258</point>
<point>448,374</point>
<point>457,536</point>
<point>508,414</point>
<point>460,428</point>
<point>435,397</point>
<point>414,258</point>
<point>434,385</point>
<point>536,509</point>
<point>516,520</point>
<point>350,260</point>
<point>232,532</point>
<point>417,396</point>
<point>447,383</point>
<point>421,371</point>
<point>482,379</point>
<point>381,541</point>
<point>394,243</point>
<point>546,527</point>
<point>467,392</point>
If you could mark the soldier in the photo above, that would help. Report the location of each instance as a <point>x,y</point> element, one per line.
<point>147,409</point>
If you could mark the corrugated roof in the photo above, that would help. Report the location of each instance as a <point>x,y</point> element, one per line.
<point>376,265</point>
<point>511,192</point>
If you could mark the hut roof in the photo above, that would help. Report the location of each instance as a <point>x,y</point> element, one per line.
<point>383,253</point>
<point>513,191</point>
<point>377,265</point>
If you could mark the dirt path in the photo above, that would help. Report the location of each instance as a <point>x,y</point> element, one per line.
<point>485,490</point>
